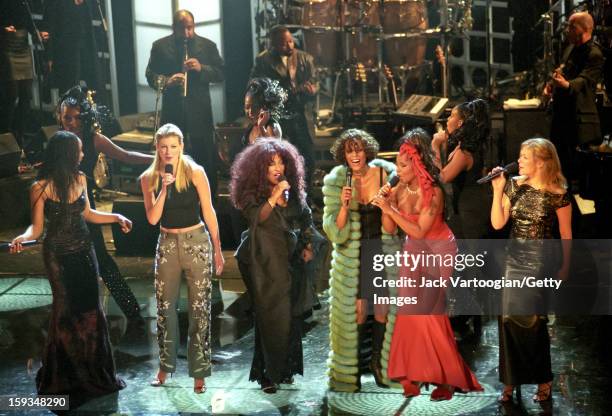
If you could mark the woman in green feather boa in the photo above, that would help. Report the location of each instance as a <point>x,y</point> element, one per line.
<point>349,220</point>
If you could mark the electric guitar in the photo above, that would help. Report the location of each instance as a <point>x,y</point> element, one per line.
<point>389,75</point>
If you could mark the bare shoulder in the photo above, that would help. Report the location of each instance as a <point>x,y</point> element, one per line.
<point>38,190</point>
<point>39,186</point>
<point>197,172</point>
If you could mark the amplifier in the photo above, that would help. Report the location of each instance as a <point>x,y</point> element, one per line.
<point>138,140</point>
<point>10,155</point>
<point>423,107</point>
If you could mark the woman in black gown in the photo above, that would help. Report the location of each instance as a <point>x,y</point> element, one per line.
<point>268,187</point>
<point>264,101</point>
<point>76,115</point>
<point>77,359</point>
<point>533,201</point>
<point>460,153</point>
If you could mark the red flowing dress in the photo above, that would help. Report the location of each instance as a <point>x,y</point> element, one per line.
<point>423,348</point>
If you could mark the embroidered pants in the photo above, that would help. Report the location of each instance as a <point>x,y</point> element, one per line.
<point>189,253</point>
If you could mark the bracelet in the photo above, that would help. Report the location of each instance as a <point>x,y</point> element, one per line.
<point>271,204</point>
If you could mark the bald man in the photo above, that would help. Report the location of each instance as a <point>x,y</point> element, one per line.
<point>193,113</point>
<point>575,120</point>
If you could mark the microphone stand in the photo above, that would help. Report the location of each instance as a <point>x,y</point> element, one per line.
<point>160,84</point>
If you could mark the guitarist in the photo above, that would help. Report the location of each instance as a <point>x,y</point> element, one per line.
<point>575,121</point>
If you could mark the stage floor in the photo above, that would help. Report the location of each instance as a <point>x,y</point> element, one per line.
<point>580,354</point>
<point>582,381</point>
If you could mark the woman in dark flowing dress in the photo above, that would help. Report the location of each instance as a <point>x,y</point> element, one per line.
<point>423,348</point>
<point>264,101</point>
<point>272,254</point>
<point>77,359</point>
<point>460,154</point>
<point>76,115</point>
<point>533,201</point>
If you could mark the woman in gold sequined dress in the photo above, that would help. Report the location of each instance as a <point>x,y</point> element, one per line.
<point>533,200</point>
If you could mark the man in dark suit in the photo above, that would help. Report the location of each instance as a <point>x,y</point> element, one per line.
<point>575,120</point>
<point>295,71</point>
<point>198,57</point>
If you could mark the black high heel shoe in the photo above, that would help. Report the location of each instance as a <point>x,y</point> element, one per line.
<point>268,387</point>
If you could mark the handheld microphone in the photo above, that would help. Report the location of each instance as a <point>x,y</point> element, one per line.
<point>286,191</point>
<point>169,169</point>
<point>393,181</point>
<point>349,177</point>
<point>7,246</point>
<point>509,168</point>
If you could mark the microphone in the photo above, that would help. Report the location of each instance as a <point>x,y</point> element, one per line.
<point>509,168</point>
<point>7,246</point>
<point>286,191</point>
<point>393,181</point>
<point>349,177</point>
<point>169,169</point>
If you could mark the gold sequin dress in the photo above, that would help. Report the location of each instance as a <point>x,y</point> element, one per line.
<point>524,353</point>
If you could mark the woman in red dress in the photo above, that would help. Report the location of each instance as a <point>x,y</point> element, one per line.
<point>423,349</point>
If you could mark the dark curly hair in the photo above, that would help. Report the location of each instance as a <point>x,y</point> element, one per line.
<point>354,137</point>
<point>267,94</point>
<point>421,140</point>
<point>249,183</point>
<point>61,164</point>
<point>77,97</point>
<point>475,128</point>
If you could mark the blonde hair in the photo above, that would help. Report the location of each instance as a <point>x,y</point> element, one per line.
<point>185,166</point>
<point>545,151</point>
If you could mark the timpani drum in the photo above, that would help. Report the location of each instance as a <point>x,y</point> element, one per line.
<point>319,19</point>
<point>320,13</point>
<point>323,46</point>
<point>361,13</point>
<point>404,19</point>
<point>362,21</point>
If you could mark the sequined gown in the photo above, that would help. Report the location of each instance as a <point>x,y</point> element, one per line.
<point>524,343</point>
<point>77,359</point>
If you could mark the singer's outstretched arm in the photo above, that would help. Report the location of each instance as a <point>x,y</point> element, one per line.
<point>105,145</point>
